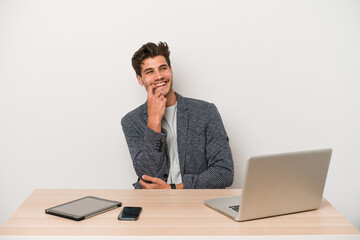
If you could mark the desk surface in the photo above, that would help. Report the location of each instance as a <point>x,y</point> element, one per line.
<point>165,213</point>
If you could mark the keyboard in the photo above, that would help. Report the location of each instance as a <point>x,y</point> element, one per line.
<point>235,208</point>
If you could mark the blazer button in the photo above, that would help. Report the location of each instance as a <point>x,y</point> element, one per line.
<point>165,175</point>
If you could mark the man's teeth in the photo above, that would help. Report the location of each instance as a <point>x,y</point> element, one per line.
<point>160,84</point>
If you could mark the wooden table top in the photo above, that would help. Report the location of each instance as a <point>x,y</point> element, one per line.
<point>165,213</point>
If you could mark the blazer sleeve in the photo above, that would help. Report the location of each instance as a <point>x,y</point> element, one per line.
<point>220,166</point>
<point>147,149</point>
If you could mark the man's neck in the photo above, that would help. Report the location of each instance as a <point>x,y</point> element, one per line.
<point>170,98</point>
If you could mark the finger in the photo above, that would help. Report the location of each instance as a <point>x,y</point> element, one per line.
<point>144,184</point>
<point>151,89</point>
<point>148,178</point>
<point>158,94</point>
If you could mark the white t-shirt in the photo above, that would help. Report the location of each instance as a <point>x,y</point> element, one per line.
<point>169,123</point>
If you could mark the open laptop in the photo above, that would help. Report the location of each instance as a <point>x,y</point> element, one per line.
<point>278,184</point>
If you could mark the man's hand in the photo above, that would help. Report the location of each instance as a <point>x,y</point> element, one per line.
<point>156,108</point>
<point>157,183</point>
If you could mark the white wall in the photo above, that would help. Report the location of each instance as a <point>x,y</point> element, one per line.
<point>283,74</point>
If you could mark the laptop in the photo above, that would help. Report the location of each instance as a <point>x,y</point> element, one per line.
<point>278,184</point>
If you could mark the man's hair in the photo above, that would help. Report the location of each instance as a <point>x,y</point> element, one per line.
<point>150,50</point>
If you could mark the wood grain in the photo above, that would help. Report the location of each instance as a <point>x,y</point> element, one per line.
<point>165,213</point>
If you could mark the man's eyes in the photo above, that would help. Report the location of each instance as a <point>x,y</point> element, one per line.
<point>151,71</point>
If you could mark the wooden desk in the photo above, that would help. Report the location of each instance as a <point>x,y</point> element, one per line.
<point>166,213</point>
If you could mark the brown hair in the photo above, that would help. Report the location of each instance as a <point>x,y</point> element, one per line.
<point>150,50</point>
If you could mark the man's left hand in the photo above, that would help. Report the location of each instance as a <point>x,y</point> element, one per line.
<point>156,183</point>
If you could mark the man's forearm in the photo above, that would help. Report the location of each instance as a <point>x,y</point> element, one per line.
<point>215,177</point>
<point>148,151</point>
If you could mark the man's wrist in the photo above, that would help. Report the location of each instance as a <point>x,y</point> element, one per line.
<point>173,186</point>
<point>154,125</point>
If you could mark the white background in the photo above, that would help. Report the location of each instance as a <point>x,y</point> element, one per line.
<point>283,74</point>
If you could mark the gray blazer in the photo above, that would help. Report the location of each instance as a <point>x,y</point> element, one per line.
<point>204,151</point>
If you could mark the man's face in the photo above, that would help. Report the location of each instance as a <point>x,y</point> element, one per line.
<point>156,71</point>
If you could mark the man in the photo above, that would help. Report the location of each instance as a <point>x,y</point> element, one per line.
<point>174,142</point>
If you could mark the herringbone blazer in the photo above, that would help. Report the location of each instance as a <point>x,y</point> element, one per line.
<point>204,151</point>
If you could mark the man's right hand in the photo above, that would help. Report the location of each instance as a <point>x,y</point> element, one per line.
<point>156,108</point>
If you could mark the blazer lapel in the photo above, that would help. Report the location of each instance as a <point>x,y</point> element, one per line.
<point>182,130</point>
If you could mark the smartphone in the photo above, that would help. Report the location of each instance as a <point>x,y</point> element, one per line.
<point>130,213</point>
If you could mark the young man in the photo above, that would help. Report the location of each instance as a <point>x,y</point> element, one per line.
<point>174,142</point>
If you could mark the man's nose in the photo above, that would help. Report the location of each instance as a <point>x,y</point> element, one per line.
<point>158,75</point>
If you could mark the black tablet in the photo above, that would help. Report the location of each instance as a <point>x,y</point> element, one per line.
<point>83,208</point>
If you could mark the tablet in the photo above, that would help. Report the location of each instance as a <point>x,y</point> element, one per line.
<point>83,208</point>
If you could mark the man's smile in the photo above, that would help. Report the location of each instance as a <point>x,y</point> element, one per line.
<point>160,84</point>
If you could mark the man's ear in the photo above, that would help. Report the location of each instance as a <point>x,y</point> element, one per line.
<point>139,80</point>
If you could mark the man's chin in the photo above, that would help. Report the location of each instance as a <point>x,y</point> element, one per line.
<point>164,92</point>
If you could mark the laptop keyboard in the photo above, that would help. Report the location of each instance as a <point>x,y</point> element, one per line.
<point>235,208</point>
